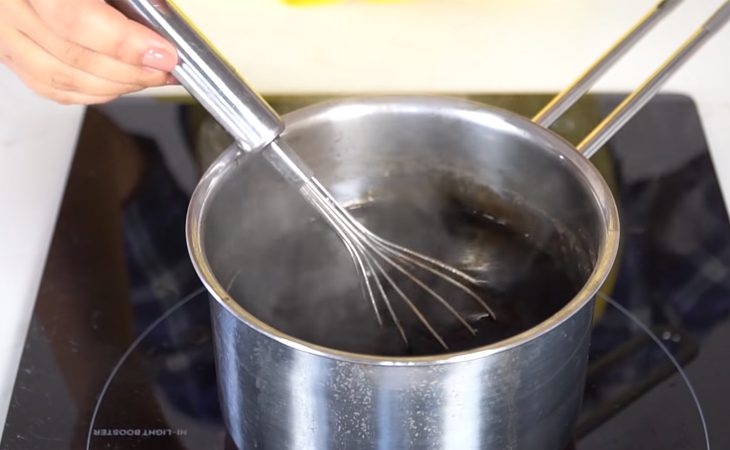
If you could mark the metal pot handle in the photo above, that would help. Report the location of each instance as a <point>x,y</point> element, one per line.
<point>572,93</point>
<point>637,99</point>
<point>207,76</point>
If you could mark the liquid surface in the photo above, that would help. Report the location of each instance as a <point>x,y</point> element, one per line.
<point>306,284</point>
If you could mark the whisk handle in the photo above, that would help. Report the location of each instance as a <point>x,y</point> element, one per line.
<point>207,76</point>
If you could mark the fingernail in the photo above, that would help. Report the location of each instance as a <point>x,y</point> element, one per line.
<point>157,58</point>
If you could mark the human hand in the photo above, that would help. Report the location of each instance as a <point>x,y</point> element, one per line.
<point>81,51</point>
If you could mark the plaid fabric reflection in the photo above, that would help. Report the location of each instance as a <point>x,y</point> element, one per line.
<point>674,276</point>
<point>179,350</point>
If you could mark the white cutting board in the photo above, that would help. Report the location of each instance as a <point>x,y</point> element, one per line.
<point>444,45</point>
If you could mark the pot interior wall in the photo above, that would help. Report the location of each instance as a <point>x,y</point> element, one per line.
<point>471,186</point>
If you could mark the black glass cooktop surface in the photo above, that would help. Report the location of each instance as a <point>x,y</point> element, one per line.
<point>119,352</point>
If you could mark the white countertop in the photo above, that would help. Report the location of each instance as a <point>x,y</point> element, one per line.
<point>421,46</point>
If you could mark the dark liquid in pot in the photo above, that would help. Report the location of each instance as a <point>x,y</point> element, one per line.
<point>524,283</point>
<point>309,288</point>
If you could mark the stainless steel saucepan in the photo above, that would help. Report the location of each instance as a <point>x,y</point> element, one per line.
<point>301,366</point>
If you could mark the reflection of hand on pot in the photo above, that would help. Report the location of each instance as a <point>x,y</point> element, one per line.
<point>81,51</point>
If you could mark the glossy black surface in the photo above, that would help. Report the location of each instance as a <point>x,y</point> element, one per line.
<point>119,355</point>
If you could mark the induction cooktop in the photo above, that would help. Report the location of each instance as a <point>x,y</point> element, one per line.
<point>119,352</point>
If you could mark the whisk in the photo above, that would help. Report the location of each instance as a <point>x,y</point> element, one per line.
<point>374,257</point>
<point>256,127</point>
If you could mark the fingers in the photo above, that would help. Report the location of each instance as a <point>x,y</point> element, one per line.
<point>102,66</point>
<point>86,56</point>
<point>97,26</point>
<point>65,97</point>
<point>52,78</point>
<point>81,51</point>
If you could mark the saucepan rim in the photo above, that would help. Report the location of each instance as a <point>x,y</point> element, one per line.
<point>601,193</point>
